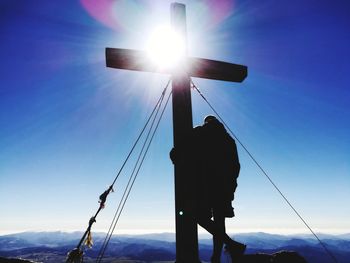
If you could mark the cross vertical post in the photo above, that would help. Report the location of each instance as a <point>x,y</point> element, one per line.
<point>186,226</point>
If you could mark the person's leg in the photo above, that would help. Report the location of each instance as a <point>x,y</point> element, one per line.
<point>217,229</point>
<point>219,235</point>
<point>212,228</point>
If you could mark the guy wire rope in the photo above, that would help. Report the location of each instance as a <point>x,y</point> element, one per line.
<point>156,110</point>
<point>132,180</point>
<point>93,219</point>
<point>266,175</point>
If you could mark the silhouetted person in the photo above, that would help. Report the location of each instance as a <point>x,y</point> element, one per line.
<point>218,173</point>
<point>211,155</point>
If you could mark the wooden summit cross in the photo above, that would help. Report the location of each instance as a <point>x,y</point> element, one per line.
<point>186,227</point>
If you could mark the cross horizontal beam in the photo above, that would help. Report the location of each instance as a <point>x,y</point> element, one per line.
<point>196,67</point>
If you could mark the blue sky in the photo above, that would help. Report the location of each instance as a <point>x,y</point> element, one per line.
<point>67,122</point>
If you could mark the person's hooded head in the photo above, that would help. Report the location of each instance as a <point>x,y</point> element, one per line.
<point>210,118</point>
<point>213,124</point>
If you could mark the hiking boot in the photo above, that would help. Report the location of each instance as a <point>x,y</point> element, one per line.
<point>236,251</point>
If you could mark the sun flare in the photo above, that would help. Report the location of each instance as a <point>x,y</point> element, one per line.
<point>166,48</point>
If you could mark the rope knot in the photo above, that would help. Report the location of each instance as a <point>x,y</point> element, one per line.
<point>103,196</point>
<point>91,221</point>
<point>75,256</point>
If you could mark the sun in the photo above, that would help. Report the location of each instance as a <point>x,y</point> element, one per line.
<point>166,48</point>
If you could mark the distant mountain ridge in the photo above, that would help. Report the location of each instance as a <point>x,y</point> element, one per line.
<point>53,246</point>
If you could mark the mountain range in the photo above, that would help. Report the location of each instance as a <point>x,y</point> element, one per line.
<point>53,246</point>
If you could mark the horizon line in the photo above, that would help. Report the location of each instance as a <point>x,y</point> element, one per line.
<point>140,232</point>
